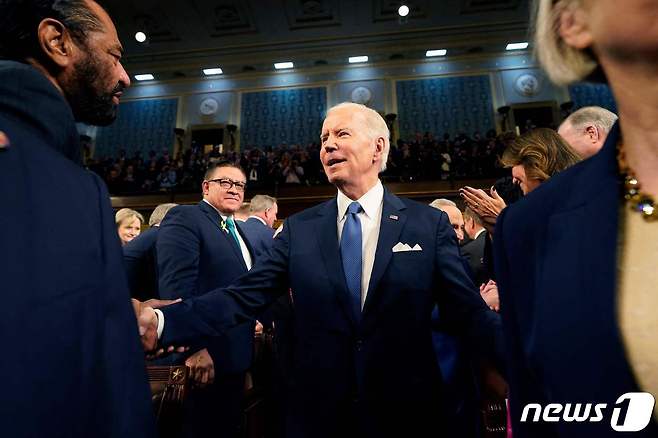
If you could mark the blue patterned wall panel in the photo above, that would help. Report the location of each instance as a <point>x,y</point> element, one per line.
<point>445,105</point>
<point>270,118</point>
<point>585,94</point>
<point>142,125</point>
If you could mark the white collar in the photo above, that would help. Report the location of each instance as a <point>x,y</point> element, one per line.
<point>478,233</point>
<point>259,218</point>
<point>371,201</point>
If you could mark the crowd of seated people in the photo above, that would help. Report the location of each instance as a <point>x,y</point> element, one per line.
<point>423,157</point>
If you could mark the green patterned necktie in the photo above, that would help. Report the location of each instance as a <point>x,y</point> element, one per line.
<point>231,229</point>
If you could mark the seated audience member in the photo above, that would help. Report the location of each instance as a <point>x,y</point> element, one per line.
<point>534,157</point>
<point>576,259</point>
<point>258,227</point>
<point>140,258</point>
<point>586,129</point>
<point>129,224</point>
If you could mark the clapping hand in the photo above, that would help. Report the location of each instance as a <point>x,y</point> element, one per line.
<point>487,206</point>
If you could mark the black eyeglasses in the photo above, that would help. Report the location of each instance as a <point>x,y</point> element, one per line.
<point>227,184</point>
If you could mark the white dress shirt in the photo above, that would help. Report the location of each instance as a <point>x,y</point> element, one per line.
<point>478,233</point>
<point>372,203</point>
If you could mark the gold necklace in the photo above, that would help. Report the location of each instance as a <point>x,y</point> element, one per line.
<point>639,201</point>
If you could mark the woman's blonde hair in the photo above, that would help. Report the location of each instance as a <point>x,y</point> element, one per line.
<point>127,213</point>
<point>541,152</point>
<point>563,63</point>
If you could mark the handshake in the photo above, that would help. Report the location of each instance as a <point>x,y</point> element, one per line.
<point>147,320</point>
<point>200,364</point>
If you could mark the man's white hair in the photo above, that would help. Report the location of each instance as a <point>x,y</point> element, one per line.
<point>592,115</point>
<point>375,123</point>
<point>442,202</point>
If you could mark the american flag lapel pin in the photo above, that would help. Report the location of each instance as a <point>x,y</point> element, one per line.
<point>394,217</point>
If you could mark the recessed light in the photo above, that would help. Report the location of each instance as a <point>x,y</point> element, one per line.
<point>283,65</point>
<point>439,52</point>
<point>403,10</point>
<point>212,71</point>
<point>517,46</point>
<point>140,37</point>
<point>357,59</point>
<point>145,77</point>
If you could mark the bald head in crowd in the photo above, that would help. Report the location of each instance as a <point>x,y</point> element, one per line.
<point>454,215</point>
<point>586,129</point>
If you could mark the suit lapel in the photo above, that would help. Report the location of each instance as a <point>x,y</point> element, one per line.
<point>390,228</point>
<point>214,217</point>
<point>328,245</point>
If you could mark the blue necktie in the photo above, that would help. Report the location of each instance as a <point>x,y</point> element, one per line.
<point>350,252</point>
<point>232,231</point>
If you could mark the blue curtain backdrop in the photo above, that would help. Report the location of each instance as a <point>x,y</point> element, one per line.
<point>272,118</point>
<point>142,125</point>
<point>586,94</point>
<point>445,105</point>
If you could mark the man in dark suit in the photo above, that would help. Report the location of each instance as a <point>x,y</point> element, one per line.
<point>141,260</point>
<point>200,248</point>
<point>474,250</point>
<point>258,227</point>
<point>365,269</point>
<point>73,362</point>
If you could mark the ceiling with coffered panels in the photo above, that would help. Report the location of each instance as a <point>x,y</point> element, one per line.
<point>250,35</point>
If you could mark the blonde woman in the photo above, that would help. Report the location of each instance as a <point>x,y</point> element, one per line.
<point>129,224</point>
<point>576,259</point>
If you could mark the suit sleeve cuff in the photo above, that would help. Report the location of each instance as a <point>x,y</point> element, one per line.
<point>160,322</point>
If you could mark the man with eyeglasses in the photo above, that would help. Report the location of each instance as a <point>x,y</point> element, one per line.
<point>200,248</point>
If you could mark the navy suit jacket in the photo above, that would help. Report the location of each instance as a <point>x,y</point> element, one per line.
<point>141,262</point>
<point>382,370</point>
<point>556,263</point>
<point>196,256</point>
<point>72,353</point>
<point>259,235</point>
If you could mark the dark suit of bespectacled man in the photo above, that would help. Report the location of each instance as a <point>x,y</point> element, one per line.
<point>73,360</point>
<point>365,270</point>
<point>201,248</point>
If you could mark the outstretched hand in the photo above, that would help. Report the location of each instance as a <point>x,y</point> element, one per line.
<point>147,321</point>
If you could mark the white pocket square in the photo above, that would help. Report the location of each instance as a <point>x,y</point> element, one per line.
<point>403,247</point>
